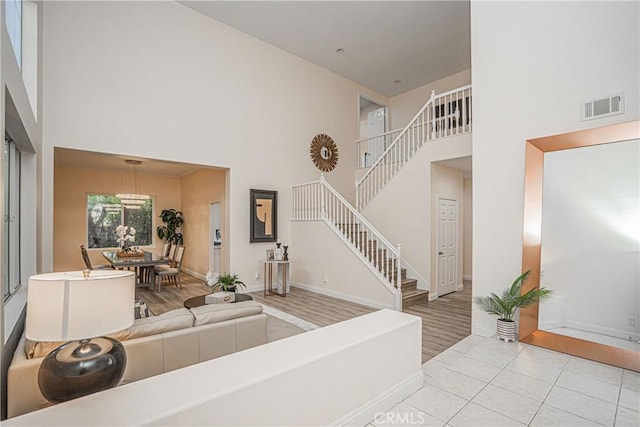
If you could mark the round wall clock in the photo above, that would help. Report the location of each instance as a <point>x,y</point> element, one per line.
<point>324,152</point>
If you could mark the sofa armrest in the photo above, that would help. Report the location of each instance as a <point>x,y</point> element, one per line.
<point>23,392</point>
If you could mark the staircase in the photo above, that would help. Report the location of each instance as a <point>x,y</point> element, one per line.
<point>319,201</point>
<point>444,115</point>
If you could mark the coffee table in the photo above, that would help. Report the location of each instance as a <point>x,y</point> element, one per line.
<point>199,300</point>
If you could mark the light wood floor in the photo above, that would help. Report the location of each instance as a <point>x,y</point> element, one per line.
<point>171,297</point>
<point>445,321</point>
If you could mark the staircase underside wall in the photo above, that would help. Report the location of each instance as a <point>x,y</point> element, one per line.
<point>323,263</point>
<point>402,211</point>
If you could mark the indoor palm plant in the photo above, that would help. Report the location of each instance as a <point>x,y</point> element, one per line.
<point>228,283</point>
<point>512,299</point>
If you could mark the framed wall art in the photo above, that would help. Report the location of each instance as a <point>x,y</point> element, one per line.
<point>263,216</point>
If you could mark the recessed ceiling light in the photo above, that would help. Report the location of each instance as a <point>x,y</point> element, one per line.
<point>340,50</point>
<point>397,82</point>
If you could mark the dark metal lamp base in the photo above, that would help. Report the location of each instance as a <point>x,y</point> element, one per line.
<point>79,368</point>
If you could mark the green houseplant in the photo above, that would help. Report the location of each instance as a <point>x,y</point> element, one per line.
<point>171,230</point>
<point>512,299</point>
<point>228,283</point>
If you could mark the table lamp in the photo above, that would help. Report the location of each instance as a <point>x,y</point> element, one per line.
<point>77,307</point>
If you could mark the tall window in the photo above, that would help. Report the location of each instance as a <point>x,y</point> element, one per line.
<point>105,212</point>
<point>13,20</point>
<point>11,256</point>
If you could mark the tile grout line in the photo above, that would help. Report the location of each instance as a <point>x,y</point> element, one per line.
<point>549,392</point>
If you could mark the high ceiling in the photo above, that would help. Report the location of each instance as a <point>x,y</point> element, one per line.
<point>91,160</point>
<point>414,42</point>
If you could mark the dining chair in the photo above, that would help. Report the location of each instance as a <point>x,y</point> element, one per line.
<point>170,255</point>
<point>165,250</point>
<point>145,272</point>
<point>87,261</point>
<point>171,274</point>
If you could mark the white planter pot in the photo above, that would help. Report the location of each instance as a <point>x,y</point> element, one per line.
<point>506,330</point>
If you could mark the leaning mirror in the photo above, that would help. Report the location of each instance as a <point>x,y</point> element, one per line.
<point>582,234</point>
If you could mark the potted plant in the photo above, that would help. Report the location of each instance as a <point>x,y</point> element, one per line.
<point>505,306</point>
<point>173,222</point>
<point>228,283</point>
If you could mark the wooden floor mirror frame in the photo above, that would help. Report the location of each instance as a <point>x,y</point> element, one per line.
<point>532,242</point>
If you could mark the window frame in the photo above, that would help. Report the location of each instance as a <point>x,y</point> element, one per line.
<point>152,244</point>
<point>12,199</point>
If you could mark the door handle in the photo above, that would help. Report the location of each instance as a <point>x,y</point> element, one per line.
<point>440,253</point>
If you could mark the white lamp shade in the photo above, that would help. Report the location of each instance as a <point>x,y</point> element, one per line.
<point>67,306</point>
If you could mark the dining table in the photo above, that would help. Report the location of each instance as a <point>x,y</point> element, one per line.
<point>147,259</point>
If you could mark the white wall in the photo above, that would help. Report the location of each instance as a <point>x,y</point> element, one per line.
<point>159,80</point>
<point>467,269</point>
<point>532,65</point>
<point>323,263</point>
<point>591,237</point>
<point>406,105</point>
<point>403,210</point>
<point>19,120</point>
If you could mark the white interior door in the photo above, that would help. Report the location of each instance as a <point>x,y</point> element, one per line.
<point>215,237</point>
<point>375,126</point>
<point>447,245</point>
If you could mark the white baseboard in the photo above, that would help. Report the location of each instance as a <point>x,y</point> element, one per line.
<point>193,273</point>
<point>341,295</point>
<point>483,331</point>
<point>469,278</point>
<point>380,405</point>
<point>550,324</point>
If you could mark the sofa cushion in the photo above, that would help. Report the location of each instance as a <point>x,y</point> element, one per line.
<point>179,318</point>
<point>170,321</point>
<point>35,349</point>
<point>213,313</point>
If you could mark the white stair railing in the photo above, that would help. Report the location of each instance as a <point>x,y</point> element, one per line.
<point>371,149</point>
<point>319,201</point>
<point>444,115</point>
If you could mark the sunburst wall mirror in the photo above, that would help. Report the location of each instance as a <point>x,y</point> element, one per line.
<point>324,152</point>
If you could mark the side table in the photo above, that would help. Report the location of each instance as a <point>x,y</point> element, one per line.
<point>282,277</point>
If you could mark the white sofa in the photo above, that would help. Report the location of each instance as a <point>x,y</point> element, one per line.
<point>154,345</point>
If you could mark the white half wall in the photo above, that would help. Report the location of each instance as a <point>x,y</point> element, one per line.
<point>533,63</point>
<point>334,375</point>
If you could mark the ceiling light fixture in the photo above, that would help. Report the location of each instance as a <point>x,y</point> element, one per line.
<point>131,184</point>
<point>340,50</point>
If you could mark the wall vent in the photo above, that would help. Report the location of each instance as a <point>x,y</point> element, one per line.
<point>603,107</point>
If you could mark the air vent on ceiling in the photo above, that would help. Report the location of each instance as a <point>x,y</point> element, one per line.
<point>603,107</point>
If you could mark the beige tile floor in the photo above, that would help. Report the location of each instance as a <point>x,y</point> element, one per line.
<point>485,382</point>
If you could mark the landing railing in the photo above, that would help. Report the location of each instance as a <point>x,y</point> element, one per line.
<point>443,115</point>
<point>371,149</point>
<point>319,201</point>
